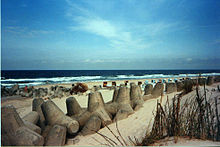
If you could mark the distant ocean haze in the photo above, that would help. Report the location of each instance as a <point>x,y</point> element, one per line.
<point>40,77</point>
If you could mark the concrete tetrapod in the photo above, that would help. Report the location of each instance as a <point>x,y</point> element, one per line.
<point>179,86</point>
<point>96,107</point>
<point>136,97</point>
<point>76,112</point>
<point>194,81</point>
<point>32,126</point>
<point>92,125</point>
<point>124,103</point>
<point>131,84</point>
<point>135,93</point>
<point>82,118</point>
<point>148,89</point>
<point>32,117</point>
<point>73,107</point>
<point>14,131</point>
<point>216,79</point>
<point>10,122</point>
<point>112,107</point>
<point>201,81</point>
<point>95,101</point>
<point>123,96</point>
<point>158,90</point>
<point>171,87</point>
<point>27,137</point>
<point>210,80</point>
<point>36,106</point>
<point>124,111</point>
<point>147,97</point>
<point>56,136</point>
<point>55,116</point>
<point>46,131</point>
<point>115,94</point>
<point>188,85</point>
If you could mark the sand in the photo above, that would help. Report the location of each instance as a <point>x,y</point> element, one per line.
<point>23,105</point>
<point>83,99</point>
<point>109,83</point>
<point>135,125</point>
<point>185,141</point>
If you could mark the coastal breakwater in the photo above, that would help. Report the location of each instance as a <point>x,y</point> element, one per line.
<point>125,102</point>
<point>58,91</point>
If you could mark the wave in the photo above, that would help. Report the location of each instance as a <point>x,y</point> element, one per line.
<point>163,76</point>
<point>56,79</point>
<point>41,81</point>
<point>22,84</point>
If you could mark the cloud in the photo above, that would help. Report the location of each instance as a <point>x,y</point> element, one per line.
<point>25,32</point>
<point>14,29</point>
<point>121,35</point>
<point>189,59</point>
<point>106,61</point>
<point>115,34</point>
<point>154,29</point>
<point>96,26</point>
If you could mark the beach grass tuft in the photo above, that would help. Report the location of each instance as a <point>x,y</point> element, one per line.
<point>196,117</point>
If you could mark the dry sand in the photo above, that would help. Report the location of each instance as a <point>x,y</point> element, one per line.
<point>23,105</point>
<point>135,125</point>
<point>184,141</point>
<point>109,83</point>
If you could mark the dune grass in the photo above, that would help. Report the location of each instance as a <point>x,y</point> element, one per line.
<point>196,117</point>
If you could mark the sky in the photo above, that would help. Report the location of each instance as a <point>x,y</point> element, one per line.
<point>110,34</point>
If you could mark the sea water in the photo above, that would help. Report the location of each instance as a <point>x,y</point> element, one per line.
<point>41,77</point>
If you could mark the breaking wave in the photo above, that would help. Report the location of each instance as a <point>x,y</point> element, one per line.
<point>42,81</point>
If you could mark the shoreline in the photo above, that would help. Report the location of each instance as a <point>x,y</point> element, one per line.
<point>67,78</point>
<point>91,84</point>
<point>118,82</point>
<point>141,118</point>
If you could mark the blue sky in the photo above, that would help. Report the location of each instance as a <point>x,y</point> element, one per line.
<point>107,34</point>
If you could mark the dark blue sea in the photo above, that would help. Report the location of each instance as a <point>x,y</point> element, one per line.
<point>40,77</point>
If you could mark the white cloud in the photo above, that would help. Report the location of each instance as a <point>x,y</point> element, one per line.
<point>94,61</point>
<point>116,34</point>
<point>105,61</point>
<point>97,26</point>
<point>157,28</point>
<point>189,59</point>
<point>119,35</point>
<point>104,28</point>
<point>25,32</point>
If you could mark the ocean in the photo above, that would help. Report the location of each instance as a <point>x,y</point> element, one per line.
<point>41,77</point>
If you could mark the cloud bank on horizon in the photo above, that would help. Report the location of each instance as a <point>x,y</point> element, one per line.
<point>105,34</point>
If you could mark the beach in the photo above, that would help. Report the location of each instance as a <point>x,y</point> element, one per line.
<point>136,125</point>
<point>82,99</point>
<point>110,73</point>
